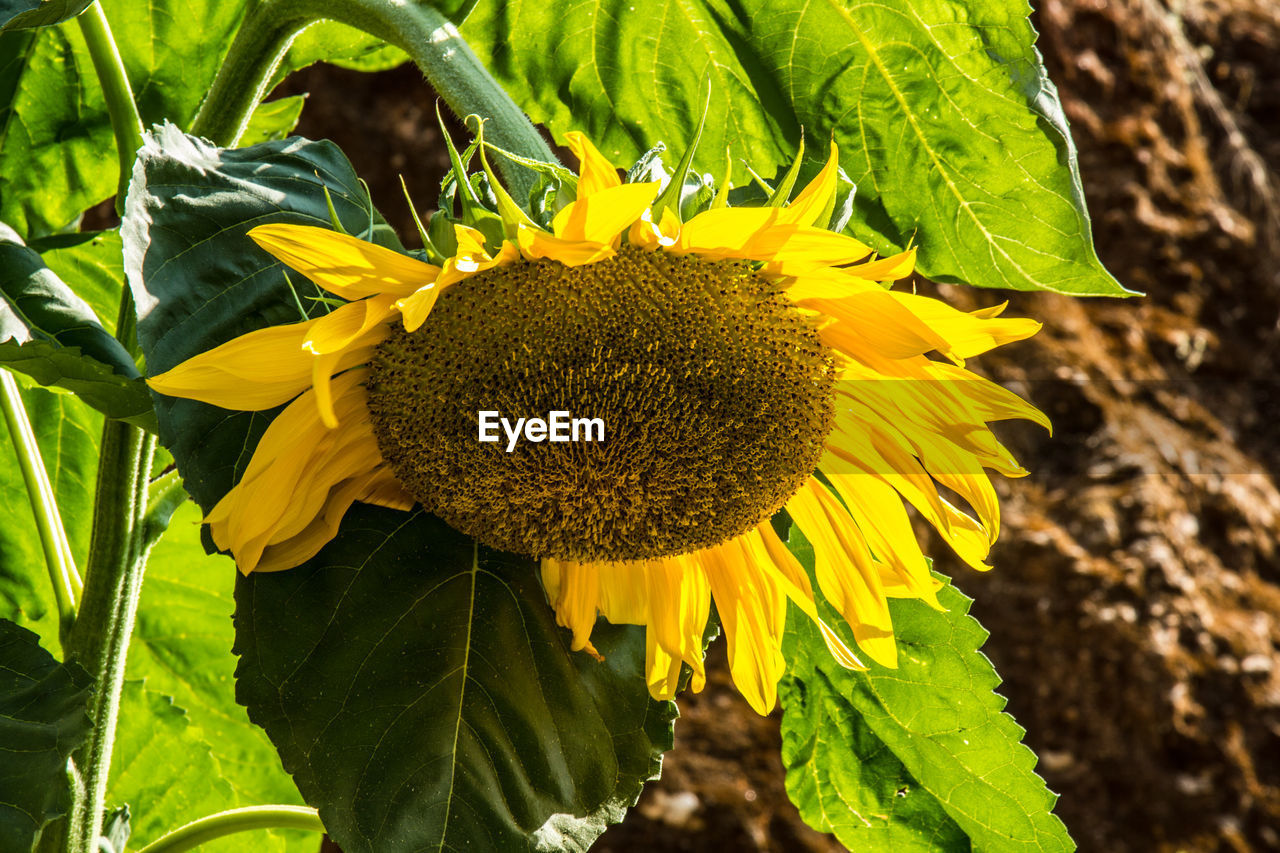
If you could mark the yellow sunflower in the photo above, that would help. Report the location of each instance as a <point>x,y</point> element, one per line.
<point>743,362</point>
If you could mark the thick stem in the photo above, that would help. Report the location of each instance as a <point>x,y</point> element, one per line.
<point>53,537</point>
<point>126,124</point>
<point>237,820</point>
<point>448,62</point>
<point>100,640</point>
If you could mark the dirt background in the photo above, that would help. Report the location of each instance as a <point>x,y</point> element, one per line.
<point>1135,602</point>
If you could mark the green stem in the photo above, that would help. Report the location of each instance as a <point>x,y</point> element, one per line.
<point>237,820</point>
<point>125,121</point>
<point>53,537</point>
<point>100,639</point>
<point>448,62</point>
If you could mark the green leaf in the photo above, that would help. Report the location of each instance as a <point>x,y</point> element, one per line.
<point>163,767</point>
<point>24,14</point>
<point>67,432</point>
<point>921,757</point>
<point>943,113</point>
<point>199,281</point>
<point>57,152</point>
<point>93,262</point>
<point>273,120</point>
<point>42,720</point>
<point>419,690</point>
<point>53,336</point>
<point>181,648</point>
<point>569,759</point>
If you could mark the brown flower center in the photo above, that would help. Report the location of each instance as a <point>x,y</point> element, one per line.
<point>714,391</point>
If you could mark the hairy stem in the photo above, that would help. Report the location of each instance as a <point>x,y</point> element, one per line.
<point>237,820</point>
<point>448,62</point>
<point>126,124</point>
<point>53,537</point>
<point>100,639</point>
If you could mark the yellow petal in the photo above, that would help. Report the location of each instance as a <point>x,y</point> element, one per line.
<point>624,592</point>
<point>679,603</point>
<point>772,555</point>
<point>295,467</point>
<point>383,489</point>
<point>648,235</point>
<point>877,509</point>
<point>966,335</point>
<point>725,232</point>
<point>845,573</point>
<point>875,323</point>
<point>572,253</point>
<point>817,197</point>
<point>255,371</point>
<point>596,173</point>
<point>306,544</point>
<point>341,264</point>
<point>752,612</point>
<point>349,325</point>
<point>576,597</point>
<point>603,216</point>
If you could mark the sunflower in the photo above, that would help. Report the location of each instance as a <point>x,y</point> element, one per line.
<point>743,362</point>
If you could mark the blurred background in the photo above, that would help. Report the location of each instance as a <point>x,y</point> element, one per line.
<point>1135,606</point>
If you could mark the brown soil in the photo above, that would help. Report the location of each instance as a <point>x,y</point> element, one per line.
<point>1135,607</point>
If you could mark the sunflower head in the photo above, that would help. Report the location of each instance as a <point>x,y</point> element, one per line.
<point>740,361</point>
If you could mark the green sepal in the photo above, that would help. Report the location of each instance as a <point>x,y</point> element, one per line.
<point>671,195</point>
<point>782,191</point>
<point>513,216</point>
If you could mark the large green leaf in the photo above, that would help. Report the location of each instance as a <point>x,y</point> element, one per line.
<point>181,648</point>
<point>52,335</point>
<point>921,757</point>
<point>67,433</point>
<point>24,14</point>
<point>527,743</point>
<point>421,694</point>
<point>57,152</point>
<point>224,285</point>
<point>163,767</point>
<point>942,110</point>
<point>42,720</point>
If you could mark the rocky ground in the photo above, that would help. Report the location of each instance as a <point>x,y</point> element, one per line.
<point>1135,607</point>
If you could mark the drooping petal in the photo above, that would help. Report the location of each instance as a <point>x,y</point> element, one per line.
<point>256,371</point>
<point>876,507</point>
<point>297,465</point>
<point>753,613</point>
<point>772,555</point>
<point>574,591</point>
<point>844,569</point>
<point>341,264</point>
<point>678,600</point>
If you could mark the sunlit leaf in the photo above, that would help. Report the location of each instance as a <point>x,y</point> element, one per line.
<point>921,757</point>
<point>943,113</point>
